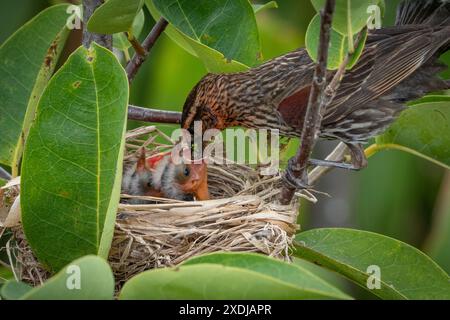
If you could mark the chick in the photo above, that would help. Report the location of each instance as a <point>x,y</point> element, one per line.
<point>186,182</point>
<point>158,176</point>
<point>137,179</point>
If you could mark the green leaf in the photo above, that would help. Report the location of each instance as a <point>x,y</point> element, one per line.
<point>350,16</point>
<point>438,240</point>
<point>87,278</point>
<point>338,48</point>
<point>14,290</point>
<point>114,16</point>
<point>336,51</point>
<point>423,130</point>
<point>431,98</point>
<point>211,281</point>
<point>223,34</point>
<point>5,272</point>
<point>405,272</point>
<point>72,163</point>
<point>268,5</point>
<point>120,40</point>
<point>27,61</point>
<point>278,270</point>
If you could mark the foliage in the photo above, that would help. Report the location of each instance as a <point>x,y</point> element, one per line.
<point>26,67</point>
<point>230,276</point>
<point>115,16</point>
<point>86,278</point>
<point>358,254</point>
<point>423,129</point>
<point>73,159</point>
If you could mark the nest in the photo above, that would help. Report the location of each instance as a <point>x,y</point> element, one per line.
<point>242,216</point>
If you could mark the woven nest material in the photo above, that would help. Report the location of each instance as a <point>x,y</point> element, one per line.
<point>243,216</point>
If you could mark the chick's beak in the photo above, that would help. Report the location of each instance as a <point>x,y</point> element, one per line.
<point>201,173</point>
<point>197,182</point>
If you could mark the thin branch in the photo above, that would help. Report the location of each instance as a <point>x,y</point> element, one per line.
<point>104,40</point>
<point>333,86</point>
<point>5,174</point>
<point>135,63</point>
<point>135,43</point>
<point>297,167</point>
<point>152,115</point>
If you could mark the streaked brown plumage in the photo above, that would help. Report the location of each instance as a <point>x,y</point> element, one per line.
<point>398,64</point>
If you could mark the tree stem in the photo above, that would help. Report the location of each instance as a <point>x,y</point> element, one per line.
<point>152,115</point>
<point>135,63</point>
<point>298,164</point>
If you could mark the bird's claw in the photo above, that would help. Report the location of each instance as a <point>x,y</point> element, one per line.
<point>295,182</point>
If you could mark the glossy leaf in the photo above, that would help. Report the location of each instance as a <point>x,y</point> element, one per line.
<point>120,40</point>
<point>212,281</point>
<point>14,290</point>
<point>87,278</point>
<point>222,34</point>
<point>72,163</point>
<point>114,16</point>
<point>431,98</point>
<point>27,61</point>
<point>438,240</point>
<point>338,45</point>
<point>285,272</point>
<point>423,130</point>
<point>405,272</point>
<point>268,5</point>
<point>350,16</point>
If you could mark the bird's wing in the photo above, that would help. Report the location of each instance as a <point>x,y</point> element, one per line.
<point>391,56</point>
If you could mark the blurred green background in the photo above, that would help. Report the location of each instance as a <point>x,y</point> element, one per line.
<point>398,195</point>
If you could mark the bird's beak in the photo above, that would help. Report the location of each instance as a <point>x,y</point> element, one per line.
<point>198,182</point>
<point>141,163</point>
<point>201,192</point>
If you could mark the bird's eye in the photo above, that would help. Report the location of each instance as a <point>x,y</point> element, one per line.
<point>186,171</point>
<point>149,184</point>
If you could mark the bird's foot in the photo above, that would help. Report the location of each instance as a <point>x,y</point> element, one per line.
<point>295,182</point>
<point>358,160</point>
<point>334,164</point>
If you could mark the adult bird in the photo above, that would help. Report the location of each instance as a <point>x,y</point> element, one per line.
<point>398,64</point>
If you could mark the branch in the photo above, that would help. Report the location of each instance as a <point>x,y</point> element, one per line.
<point>135,63</point>
<point>333,86</point>
<point>135,44</point>
<point>152,115</point>
<point>104,40</point>
<point>298,164</point>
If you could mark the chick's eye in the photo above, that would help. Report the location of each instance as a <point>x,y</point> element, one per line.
<point>149,184</point>
<point>186,171</point>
